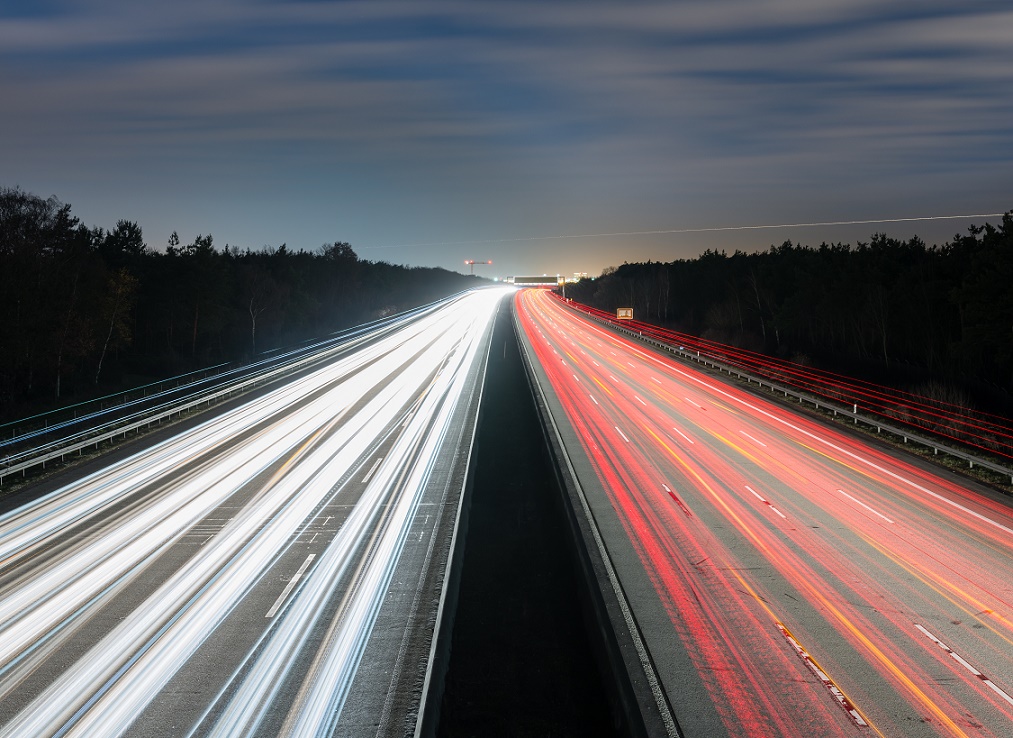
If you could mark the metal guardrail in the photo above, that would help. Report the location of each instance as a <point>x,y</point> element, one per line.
<point>95,436</point>
<point>257,373</point>
<point>40,424</point>
<point>870,420</point>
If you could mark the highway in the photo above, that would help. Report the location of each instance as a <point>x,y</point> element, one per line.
<point>273,571</point>
<point>787,577</point>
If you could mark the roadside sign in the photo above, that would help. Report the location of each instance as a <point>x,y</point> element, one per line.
<point>624,313</point>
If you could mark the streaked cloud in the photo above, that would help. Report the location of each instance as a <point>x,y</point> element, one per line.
<point>587,117</point>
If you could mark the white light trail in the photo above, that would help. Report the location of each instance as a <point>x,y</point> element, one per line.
<point>282,456</point>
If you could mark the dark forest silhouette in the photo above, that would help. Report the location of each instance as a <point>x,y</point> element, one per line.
<point>83,307</point>
<point>899,311</point>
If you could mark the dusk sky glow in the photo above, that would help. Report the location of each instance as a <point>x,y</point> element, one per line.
<point>427,133</point>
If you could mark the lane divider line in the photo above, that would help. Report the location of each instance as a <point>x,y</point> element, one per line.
<point>842,699</point>
<point>775,418</point>
<point>290,586</point>
<point>766,502</point>
<point>621,433</point>
<point>960,660</point>
<point>678,501</point>
<point>683,435</point>
<point>754,440</point>
<point>372,469</point>
<point>859,502</point>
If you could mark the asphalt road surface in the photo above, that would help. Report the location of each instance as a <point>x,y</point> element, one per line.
<point>787,577</point>
<point>273,571</point>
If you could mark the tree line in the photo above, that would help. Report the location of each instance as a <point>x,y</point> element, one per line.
<point>82,308</point>
<point>890,310</point>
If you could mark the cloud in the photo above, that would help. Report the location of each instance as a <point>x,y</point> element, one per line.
<point>715,75</point>
<point>565,111</point>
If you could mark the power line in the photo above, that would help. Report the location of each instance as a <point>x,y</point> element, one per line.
<point>672,231</point>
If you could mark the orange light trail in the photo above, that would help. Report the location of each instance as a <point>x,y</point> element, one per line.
<point>761,529</point>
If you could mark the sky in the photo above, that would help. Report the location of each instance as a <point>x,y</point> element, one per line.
<point>427,133</point>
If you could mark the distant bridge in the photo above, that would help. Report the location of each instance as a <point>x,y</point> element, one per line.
<point>543,281</point>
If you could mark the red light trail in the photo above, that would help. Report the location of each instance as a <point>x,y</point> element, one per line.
<point>797,568</point>
<point>946,420</point>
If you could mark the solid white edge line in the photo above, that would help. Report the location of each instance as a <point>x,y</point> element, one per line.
<point>624,606</point>
<point>434,643</point>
